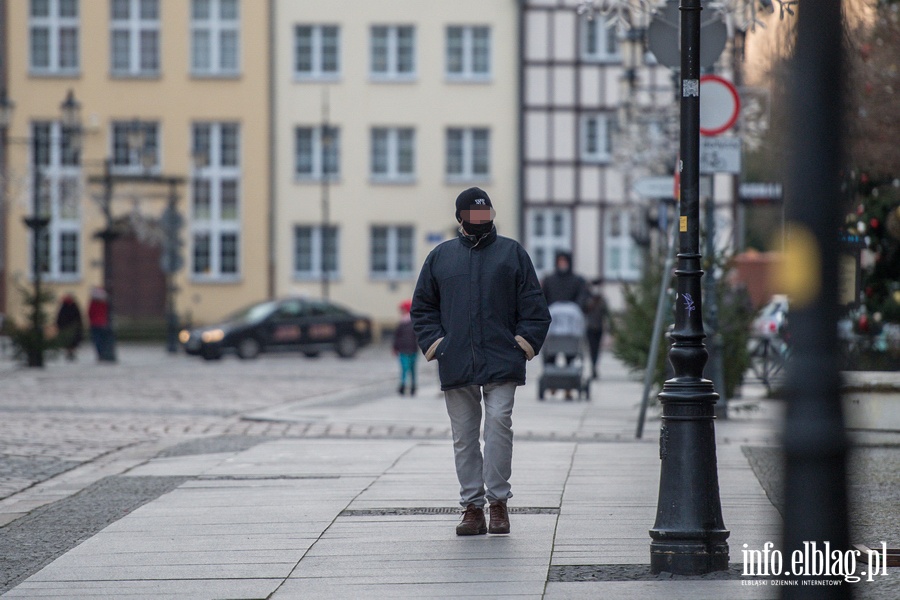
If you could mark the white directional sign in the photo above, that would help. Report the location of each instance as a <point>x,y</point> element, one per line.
<point>655,187</point>
<point>720,155</point>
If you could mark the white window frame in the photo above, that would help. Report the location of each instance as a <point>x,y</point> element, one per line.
<point>216,172</point>
<point>55,24</point>
<point>317,71</point>
<point>215,26</point>
<point>468,150</point>
<point>393,258</point>
<point>596,137</point>
<point>56,175</point>
<point>596,38</point>
<point>317,253</point>
<point>317,157</point>
<point>621,254</point>
<point>135,26</point>
<point>132,162</point>
<point>467,71</point>
<point>389,148</point>
<point>392,70</point>
<point>549,231</point>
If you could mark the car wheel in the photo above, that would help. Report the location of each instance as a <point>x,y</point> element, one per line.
<point>346,346</point>
<point>248,348</point>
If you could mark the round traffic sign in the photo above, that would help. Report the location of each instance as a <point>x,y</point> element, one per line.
<point>719,105</point>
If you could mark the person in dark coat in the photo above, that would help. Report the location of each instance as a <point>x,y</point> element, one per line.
<point>563,285</point>
<point>596,316</point>
<point>479,310</point>
<point>406,349</point>
<point>69,326</point>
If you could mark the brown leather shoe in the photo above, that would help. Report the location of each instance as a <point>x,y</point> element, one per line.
<point>499,518</point>
<point>472,521</point>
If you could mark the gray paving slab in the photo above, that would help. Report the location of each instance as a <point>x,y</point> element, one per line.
<point>316,589</point>
<point>194,589</point>
<point>363,504</point>
<point>695,590</point>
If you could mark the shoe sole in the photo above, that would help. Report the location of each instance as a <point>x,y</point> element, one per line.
<point>479,532</point>
<point>506,531</point>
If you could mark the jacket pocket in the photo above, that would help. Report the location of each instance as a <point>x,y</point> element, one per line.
<point>453,364</point>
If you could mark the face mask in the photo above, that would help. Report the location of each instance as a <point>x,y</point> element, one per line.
<point>479,228</point>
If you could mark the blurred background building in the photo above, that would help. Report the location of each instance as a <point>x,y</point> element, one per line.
<point>227,151</point>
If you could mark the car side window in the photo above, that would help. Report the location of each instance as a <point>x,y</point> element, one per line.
<point>289,311</point>
<point>323,308</point>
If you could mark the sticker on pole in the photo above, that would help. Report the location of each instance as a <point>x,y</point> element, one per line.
<point>719,105</point>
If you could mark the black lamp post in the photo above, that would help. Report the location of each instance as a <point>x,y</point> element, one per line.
<point>327,142</point>
<point>689,536</point>
<point>37,223</point>
<point>39,220</point>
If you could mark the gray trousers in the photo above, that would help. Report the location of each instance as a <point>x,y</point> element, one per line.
<point>482,475</point>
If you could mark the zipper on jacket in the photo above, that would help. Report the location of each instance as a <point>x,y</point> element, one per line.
<point>471,328</point>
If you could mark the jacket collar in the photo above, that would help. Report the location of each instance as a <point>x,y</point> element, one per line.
<point>470,241</point>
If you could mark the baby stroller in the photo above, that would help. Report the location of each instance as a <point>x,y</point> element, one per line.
<point>562,352</point>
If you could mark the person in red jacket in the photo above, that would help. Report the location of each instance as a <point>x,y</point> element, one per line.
<point>101,331</point>
<point>406,348</point>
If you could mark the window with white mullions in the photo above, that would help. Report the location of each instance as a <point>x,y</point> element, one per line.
<point>134,36</point>
<point>598,41</point>
<point>393,52</point>
<point>392,252</point>
<point>393,154</point>
<point>596,137</point>
<point>53,32</point>
<point>621,253</point>
<point>59,199</point>
<point>316,252</point>
<point>216,202</point>
<point>215,37</point>
<point>468,53</point>
<point>127,158</point>
<point>317,152</point>
<point>316,52</point>
<point>468,153</point>
<point>549,230</point>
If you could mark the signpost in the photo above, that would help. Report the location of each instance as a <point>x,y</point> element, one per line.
<point>663,38</point>
<point>720,155</point>
<point>720,105</point>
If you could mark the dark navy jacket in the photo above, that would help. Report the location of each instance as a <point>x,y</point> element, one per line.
<point>479,297</point>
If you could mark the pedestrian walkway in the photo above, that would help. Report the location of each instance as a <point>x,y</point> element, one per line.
<point>373,517</point>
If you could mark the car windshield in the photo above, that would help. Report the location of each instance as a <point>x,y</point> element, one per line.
<point>253,314</point>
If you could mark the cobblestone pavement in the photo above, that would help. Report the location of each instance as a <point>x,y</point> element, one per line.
<point>68,414</point>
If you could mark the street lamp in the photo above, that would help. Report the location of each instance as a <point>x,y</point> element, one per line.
<point>38,221</point>
<point>327,142</point>
<point>689,535</point>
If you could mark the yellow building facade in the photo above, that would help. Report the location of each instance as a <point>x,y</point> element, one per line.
<point>174,102</point>
<point>385,111</point>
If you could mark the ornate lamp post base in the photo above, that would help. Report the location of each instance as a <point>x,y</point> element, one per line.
<point>689,535</point>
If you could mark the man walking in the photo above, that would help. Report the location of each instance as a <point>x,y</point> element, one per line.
<point>479,310</point>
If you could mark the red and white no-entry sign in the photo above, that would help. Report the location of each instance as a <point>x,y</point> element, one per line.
<point>719,105</point>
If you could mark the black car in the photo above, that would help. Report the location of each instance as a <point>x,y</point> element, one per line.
<point>291,324</point>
